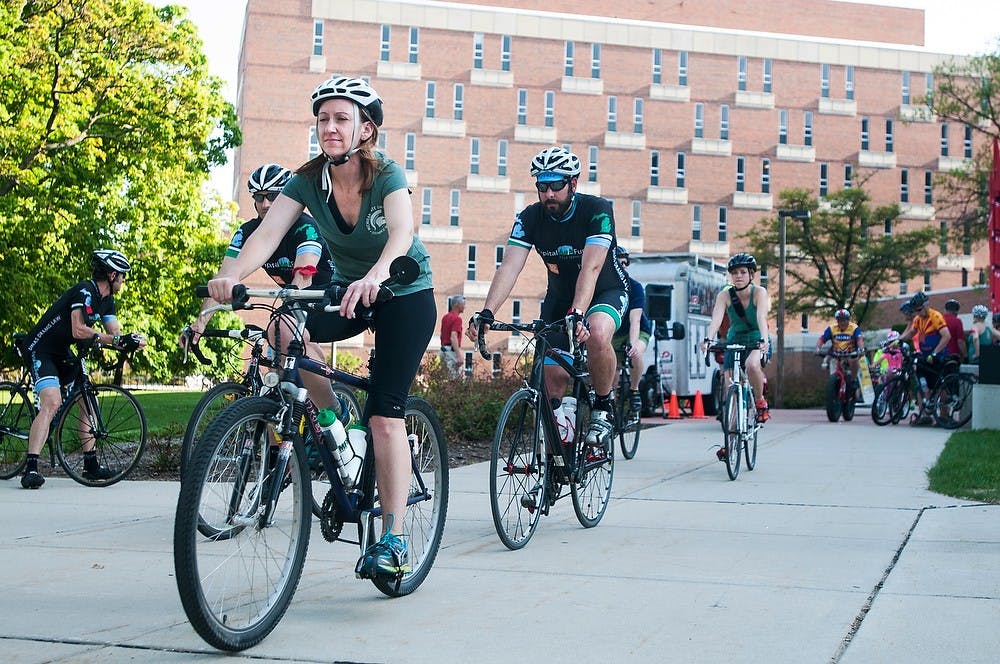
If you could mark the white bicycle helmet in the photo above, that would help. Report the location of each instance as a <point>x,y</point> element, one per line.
<point>347,87</point>
<point>980,312</point>
<point>269,177</point>
<point>109,260</point>
<point>555,160</point>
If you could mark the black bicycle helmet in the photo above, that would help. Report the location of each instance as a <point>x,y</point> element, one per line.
<point>109,260</point>
<point>621,252</point>
<point>906,307</point>
<point>742,260</point>
<point>918,300</point>
<point>952,306</point>
<point>269,177</point>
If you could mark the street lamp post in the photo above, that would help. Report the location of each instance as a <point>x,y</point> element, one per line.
<point>799,215</point>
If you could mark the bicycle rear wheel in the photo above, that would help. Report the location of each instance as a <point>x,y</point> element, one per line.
<point>594,473</point>
<point>627,423</point>
<point>111,421</point>
<point>424,522</point>
<point>953,396</point>
<point>518,471</point>
<point>734,411</point>
<point>880,406</point>
<point>236,587</point>
<point>207,408</point>
<point>16,413</point>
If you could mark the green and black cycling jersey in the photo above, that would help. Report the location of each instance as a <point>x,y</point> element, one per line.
<point>302,238</point>
<point>54,331</point>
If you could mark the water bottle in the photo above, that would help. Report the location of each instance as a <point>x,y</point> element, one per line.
<point>923,385</point>
<point>566,419</point>
<point>353,453</point>
<point>335,437</point>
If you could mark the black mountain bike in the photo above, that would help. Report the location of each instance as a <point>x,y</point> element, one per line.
<point>236,586</point>
<point>627,421</point>
<point>530,467</point>
<point>102,417</point>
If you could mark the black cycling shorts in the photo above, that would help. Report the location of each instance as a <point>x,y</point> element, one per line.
<point>613,302</point>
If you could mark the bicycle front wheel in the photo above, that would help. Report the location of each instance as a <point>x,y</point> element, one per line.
<point>236,587</point>
<point>106,418</point>
<point>594,473</point>
<point>16,413</point>
<point>518,471</point>
<point>880,406</point>
<point>734,411</point>
<point>207,408</point>
<point>953,397</point>
<point>627,423</point>
<point>750,438</point>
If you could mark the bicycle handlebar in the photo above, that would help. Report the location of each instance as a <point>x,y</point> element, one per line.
<point>534,327</point>
<point>714,347</point>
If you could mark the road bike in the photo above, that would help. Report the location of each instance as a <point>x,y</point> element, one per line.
<point>236,586</point>
<point>739,414</point>
<point>841,385</point>
<point>627,420</point>
<point>106,418</point>
<point>530,466</point>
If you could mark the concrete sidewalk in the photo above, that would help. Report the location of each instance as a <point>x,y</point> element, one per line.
<point>832,550</point>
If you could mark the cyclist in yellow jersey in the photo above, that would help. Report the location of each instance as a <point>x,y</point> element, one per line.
<point>845,337</point>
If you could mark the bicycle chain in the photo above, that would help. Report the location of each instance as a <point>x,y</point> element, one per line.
<point>329,524</point>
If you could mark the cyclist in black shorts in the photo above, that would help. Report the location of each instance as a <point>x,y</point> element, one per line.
<point>575,236</point>
<point>47,349</point>
<point>635,331</point>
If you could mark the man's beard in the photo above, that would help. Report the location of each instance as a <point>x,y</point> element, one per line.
<point>556,209</point>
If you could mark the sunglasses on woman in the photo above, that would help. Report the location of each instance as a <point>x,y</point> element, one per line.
<point>558,185</point>
<point>269,195</point>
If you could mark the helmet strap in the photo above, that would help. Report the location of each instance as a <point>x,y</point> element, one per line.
<point>743,288</point>
<point>344,158</point>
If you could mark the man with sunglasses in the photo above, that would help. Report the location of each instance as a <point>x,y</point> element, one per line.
<point>302,257</point>
<point>575,236</point>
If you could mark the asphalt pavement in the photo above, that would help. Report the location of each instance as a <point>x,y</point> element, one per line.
<point>831,550</point>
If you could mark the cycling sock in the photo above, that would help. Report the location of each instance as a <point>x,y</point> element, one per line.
<point>32,466</point>
<point>603,403</point>
<point>90,460</point>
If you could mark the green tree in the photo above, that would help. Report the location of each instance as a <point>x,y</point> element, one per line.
<point>841,256</point>
<point>109,124</point>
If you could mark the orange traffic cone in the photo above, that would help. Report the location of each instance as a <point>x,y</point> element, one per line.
<point>674,411</point>
<point>699,407</point>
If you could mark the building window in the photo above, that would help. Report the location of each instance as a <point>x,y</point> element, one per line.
<point>515,316</point>
<point>592,163</point>
<point>498,256</point>
<point>505,53</point>
<point>696,222</point>
<point>383,54</point>
<point>636,218</point>
<point>764,281</point>
<point>522,106</point>
<point>657,66</point>
<point>807,128</point>
<point>848,176</point>
<point>967,142</point>
<point>682,68</point>
<point>453,206</point>
<point>722,224</point>
<point>902,286</point>
<point>741,72</point>
<point>699,120</point>
<point>906,87</point>
<point>318,37</point>
<point>765,176</point>
<point>767,75</point>
<point>681,170</point>
<point>477,50</point>
<point>654,168</point>
<point>927,280</point>
<point>904,185</point>
<point>943,237</point>
<point>474,156</point>
<point>637,115</point>
<point>824,179</point>
<point>568,62</point>
<point>783,127</point>
<point>724,122</point>
<point>864,133</point>
<point>888,136</point>
<point>848,81</point>
<point>612,113</point>
<point>411,151</point>
<point>414,44</point>
<point>550,108</point>
<point>824,81</point>
<point>429,99</point>
<point>502,157</point>
<point>929,88</point>
<point>595,60</point>
<point>470,264</point>
<point>313,143</point>
<point>928,187</point>
<point>459,108</point>
<point>944,139</point>
<point>741,175</point>
<point>887,228</point>
<point>804,323</point>
<point>425,206</point>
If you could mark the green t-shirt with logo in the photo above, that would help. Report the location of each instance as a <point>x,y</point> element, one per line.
<point>356,251</point>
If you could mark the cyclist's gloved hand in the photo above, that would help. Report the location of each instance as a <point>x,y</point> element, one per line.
<point>485,316</point>
<point>929,358</point>
<point>129,342</point>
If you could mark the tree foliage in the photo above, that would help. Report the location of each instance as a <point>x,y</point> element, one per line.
<point>841,256</point>
<point>109,124</point>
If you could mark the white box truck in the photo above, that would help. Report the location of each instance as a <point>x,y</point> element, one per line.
<point>680,293</point>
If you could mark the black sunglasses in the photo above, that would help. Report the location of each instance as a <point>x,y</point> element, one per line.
<point>269,195</point>
<point>558,185</point>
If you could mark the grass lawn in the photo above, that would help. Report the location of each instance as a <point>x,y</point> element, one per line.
<point>969,467</point>
<point>167,412</point>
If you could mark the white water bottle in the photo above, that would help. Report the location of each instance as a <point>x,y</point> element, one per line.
<point>566,419</point>
<point>335,437</point>
<point>353,453</point>
<point>923,385</point>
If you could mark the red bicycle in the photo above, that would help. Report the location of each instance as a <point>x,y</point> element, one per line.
<point>841,386</point>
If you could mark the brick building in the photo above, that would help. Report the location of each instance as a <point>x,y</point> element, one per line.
<point>691,117</point>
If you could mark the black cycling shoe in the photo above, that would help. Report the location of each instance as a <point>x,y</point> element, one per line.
<point>32,480</point>
<point>99,473</point>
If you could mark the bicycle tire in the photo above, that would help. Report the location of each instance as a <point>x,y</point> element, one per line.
<point>750,443</point>
<point>424,521</point>
<point>321,483</point>
<point>518,471</point>
<point>627,424</point>
<point>207,408</point>
<point>594,474</point>
<point>732,443</point>
<point>880,406</point>
<point>848,407</point>
<point>17,410</point>
<point>833,398</point>
<point>899,398</point>
<point>953,395</point>
<point>235,589</point>
<point>120,441</point>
